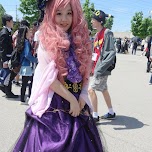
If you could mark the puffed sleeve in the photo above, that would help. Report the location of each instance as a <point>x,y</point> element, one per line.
<point>45,74</point>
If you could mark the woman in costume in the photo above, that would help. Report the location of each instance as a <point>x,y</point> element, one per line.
<point>59,118</point>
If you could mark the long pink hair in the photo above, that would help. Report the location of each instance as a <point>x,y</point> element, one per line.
<point>56,41</point>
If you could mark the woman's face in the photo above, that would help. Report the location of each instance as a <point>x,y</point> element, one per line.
<point>28,34</point>
<point>63,17</point>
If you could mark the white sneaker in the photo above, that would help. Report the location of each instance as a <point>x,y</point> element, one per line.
<point>27,99</point>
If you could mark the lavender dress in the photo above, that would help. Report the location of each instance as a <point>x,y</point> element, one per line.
<point>57,130</point>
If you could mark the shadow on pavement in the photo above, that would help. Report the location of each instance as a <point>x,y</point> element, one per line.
<point>11,99</point>
<point>123,123</point>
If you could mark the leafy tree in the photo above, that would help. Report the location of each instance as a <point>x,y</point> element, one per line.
<point>87,9</point>
<point>29,10</point>
<point>144,28</point>
<point>149,30</point>
<point>141,27</point>
<point>136,23</point>
<point>109,22</point>
<point>2,12</point>
<point>16,25</point>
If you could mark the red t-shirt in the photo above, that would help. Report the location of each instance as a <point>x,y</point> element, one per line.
<point>98,43</point>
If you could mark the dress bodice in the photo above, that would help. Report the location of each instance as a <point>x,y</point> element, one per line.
<point>73,66</point>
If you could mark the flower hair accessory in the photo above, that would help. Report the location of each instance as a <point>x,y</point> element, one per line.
<point>42,4</point>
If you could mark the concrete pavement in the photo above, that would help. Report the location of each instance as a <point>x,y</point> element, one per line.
<point>132,100</point>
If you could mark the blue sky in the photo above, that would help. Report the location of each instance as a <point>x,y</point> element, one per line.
<point>122,10</point>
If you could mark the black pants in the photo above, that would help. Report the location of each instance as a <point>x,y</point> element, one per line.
<point>26,81</point>
<point>148,64</point>
<point>8,88</point>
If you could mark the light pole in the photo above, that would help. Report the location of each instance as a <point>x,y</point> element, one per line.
<point>150,12</point>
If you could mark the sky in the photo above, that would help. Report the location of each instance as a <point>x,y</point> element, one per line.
<point>122,10</point>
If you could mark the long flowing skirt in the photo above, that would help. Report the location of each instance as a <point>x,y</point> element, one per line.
<point>58,131</point>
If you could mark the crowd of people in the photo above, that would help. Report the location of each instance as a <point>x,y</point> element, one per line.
<point>123,44</point>
<point>55,62</point>
<point>22,41</point>
<point>144,45</point>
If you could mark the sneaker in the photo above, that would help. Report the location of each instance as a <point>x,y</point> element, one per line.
<point>96,119</point>
<point>109,116</point>
<point>27,99</point>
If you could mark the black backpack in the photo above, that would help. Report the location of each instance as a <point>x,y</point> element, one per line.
<point>15,59</point>
<point>15,56</point>
<point>113,65</point>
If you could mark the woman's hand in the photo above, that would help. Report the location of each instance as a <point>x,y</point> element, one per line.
<point>81,103</point>
<point>74,108</point>
<point>58,88</point>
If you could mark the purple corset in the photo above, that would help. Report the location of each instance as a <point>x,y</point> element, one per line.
<point>73,67</point>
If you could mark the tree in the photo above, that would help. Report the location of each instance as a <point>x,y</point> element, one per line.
<point>16,25</point>
<point>2,12</point>
<point>87,9</point>
<point>141,27</point>
<point>136,23</point>
<point>144,28</point>
<point>109,22</point>
<point>29,10</point>
<point>149,30</point>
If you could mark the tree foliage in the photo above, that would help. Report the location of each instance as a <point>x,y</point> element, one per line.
<point>145,27</point>
<point>109,23</point>
<point>29,10</point>
<point>2,12</point>
<point>16,25</point>
<point>141,27</point>
<point>87,9</point>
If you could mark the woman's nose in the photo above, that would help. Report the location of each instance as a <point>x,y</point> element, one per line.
<point>64,18</point>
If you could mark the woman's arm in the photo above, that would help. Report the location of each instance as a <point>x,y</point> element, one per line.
<point>58,88</point>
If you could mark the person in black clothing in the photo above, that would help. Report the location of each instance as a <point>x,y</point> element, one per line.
<point>148,48</point>
<point>6,48</point>
<point>126,45</point>
<point>14,37</point>
<point>134,48</point>
<point>118,44</point>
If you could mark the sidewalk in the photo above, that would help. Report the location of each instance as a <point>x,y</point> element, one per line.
<point>132,100</point>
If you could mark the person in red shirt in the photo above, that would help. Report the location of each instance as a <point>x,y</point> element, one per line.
<point>103,57</point>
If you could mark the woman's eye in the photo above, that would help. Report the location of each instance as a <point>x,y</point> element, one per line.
<point>58,13</point>
<point>70,13</point>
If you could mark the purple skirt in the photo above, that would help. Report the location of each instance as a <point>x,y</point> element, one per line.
<point>58,131</point>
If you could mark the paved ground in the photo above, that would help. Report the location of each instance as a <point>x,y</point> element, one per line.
<point>132,100</point>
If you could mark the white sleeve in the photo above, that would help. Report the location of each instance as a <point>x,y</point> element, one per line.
<point>36,36</point>
<point>84,95</point>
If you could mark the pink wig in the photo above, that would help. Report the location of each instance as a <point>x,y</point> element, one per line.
<point>56,42</point>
